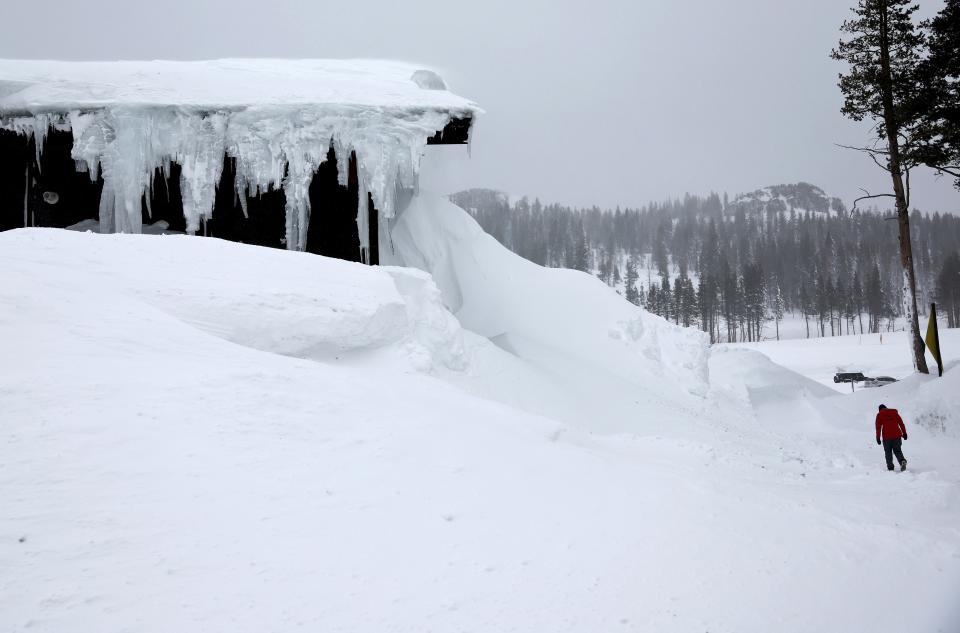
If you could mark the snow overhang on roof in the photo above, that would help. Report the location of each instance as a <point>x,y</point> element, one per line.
<point>277,118</point>
<point>31,86</point>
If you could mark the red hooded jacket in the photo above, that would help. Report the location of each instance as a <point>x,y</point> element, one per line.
<point>890,425</point>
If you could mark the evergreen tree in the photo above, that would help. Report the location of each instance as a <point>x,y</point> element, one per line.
<point>707,303</point>
<point>875,303</point>
<point>581,250</point>
<point>856,296</point>
<point>883,54</point>
<point>805,307</point>
<point>666,300</point>
<point>937,102</point>
<point>631,290</point>
<point>948,289</point>
<point>660,257</point>
<point>779,306</point>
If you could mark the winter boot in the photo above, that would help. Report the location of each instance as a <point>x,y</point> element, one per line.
<point>903,465</point>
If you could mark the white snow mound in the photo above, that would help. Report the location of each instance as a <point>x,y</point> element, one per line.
<point>201,435</point>
<point>562,322</point>
<point>295,304</point>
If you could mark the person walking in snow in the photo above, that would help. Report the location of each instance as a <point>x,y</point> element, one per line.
<point>892,432</point>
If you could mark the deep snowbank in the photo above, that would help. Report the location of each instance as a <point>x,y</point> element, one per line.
<point>929,402</point>
<point>170,463</point>
<point>276,301</point>
<point>560,322</point>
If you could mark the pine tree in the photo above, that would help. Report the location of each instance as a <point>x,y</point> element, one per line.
<point>690,302</point>
<point>856,296</point>
<point>581,250</point>
<point>779,305</point>
<point>660,256</point>
<point>873,294</point>
<point>937,102</point>
<point>631,291</point>
<point>948,289</point>
<point>653,299</point>
<point>883,54</point>
<point>805,307</point>
<point>707,304</point>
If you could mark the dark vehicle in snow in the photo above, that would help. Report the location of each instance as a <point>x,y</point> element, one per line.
<point>849,376</point>
<point>879,381</point>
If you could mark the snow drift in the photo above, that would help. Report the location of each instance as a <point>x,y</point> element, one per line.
<point>201,434</point>
<point>562,322</point>
<point>276,301</point>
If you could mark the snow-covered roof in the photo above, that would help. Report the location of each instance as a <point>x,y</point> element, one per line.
<point>45,86</point>
<point>277,118</point>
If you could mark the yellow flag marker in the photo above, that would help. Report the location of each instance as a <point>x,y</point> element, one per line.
<point>933,337</point>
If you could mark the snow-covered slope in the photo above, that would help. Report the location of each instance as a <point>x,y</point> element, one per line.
<point>800,197</point>
<point>199,435</point>
<point>567,326</point>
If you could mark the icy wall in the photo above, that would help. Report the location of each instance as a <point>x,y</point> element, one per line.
<point>273,145</point>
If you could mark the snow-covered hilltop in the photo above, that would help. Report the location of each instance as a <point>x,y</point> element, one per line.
<point>276,121</point>
<point>800,198</point>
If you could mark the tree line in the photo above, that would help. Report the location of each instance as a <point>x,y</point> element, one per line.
<point>733,267</point>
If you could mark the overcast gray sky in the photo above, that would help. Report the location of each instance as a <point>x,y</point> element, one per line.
<point>601,102</point>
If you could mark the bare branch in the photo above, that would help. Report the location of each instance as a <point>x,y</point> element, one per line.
<point>948,169</point>
<point>870,196</point>
<point>877,162</point>
<point>868,150</point>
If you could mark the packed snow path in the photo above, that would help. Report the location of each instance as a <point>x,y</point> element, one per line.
<point>200,435</point>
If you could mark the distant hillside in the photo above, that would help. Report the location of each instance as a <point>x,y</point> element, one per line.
<point>800,197</point>
<point>728,266</point>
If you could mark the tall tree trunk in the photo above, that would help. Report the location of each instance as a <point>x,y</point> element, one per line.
<point>903,213</point>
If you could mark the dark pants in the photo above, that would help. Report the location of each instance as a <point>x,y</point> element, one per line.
<point>891,448</point>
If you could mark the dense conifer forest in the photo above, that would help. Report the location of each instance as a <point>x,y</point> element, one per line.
<point>731,266</point>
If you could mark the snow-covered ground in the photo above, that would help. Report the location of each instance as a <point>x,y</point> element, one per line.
<point>205,436</point>
<point>886,354</point>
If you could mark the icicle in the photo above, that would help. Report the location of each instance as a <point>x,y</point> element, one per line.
<point>201,160</point>
<point>241,188</point>
<point>106,209</point>
<point>470,135</point>
<point>41,127</point>
<point>363,216</point>
<point>273,147</point>
<point>148,199</point>
<point>165,173</point>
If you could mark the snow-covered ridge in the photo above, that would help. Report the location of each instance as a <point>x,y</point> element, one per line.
<point>800,197</point>
<point>277,118</point>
